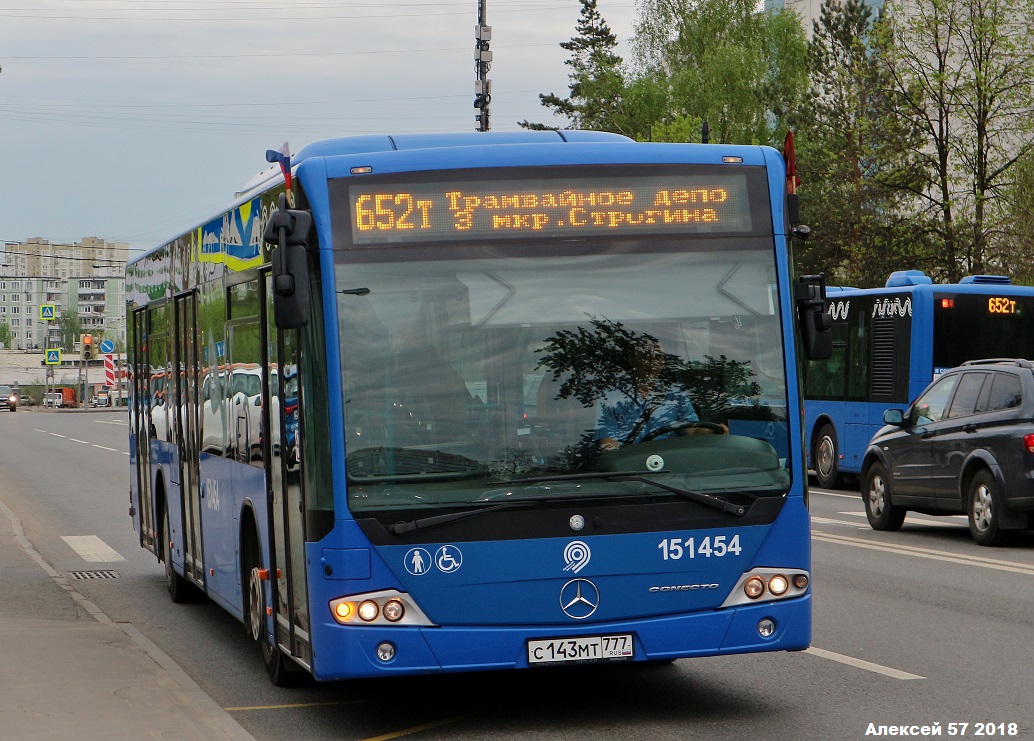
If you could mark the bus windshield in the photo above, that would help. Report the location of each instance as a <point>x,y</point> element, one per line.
<point>464,377</point>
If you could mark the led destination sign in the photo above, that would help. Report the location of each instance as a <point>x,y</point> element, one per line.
<point>549,207</point>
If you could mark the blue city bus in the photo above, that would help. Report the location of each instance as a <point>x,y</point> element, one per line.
<point>482,401</point>
<point>890,342</point>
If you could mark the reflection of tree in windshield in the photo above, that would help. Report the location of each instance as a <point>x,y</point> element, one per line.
<point>638,386</point>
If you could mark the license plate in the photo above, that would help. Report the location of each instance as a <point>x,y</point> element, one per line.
<point>583,649</point>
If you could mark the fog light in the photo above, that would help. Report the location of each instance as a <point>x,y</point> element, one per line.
<point>368,610</point>
<point>766,627</point>
<point>800,581</point>
<point>778,585</point>
<point>394,610</point>
<point>754,587</point>
<point>385,651</point>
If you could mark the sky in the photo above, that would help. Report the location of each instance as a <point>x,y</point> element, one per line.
<point>135,120</point>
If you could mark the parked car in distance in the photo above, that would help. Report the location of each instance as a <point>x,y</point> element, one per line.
<point>9,397</point>
<point>964,446</point>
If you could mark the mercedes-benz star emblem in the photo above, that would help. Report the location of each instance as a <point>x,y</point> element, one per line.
<point>579,598</point>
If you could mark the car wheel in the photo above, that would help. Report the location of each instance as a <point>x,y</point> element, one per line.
<point>983,506</point>
<point>882,515</point>
<point>827,457</point>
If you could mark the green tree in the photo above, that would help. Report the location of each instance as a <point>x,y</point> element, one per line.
<point>71,328</point>
<point>597,99</point>
<point>5,335</point>
<point>1017,228</point>
<point>720,61</point>
<point>855,154</point>
<point>961,70</point>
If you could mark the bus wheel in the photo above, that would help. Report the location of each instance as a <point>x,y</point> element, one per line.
<point>179,588</point>
<point>278,667</point>
<point>882,515</point>
<point>983,510</point>
<point>826,458</point>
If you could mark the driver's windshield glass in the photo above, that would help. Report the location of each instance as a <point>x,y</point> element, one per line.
<point>461,374</point>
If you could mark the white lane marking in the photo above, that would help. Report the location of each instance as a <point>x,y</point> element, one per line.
<point>945,521</point>
<point>906,550</point>
<point>834,494</point>
<point>84,442</point>
<point>827,521</point>
<point>862,664</point>
<point>92,548</point>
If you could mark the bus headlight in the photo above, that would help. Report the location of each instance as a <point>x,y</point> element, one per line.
<point>768,585</point>
<point>394,610</point>
<point>754,587</point>
<point>386,607</point>
<point>368,610</point>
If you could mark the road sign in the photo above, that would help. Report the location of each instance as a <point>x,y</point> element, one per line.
<point>47,312</point>
<point>53,357</point>
<point>107,346</point>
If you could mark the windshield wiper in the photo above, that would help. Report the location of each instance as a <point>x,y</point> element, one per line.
<point>708,500</point>
<point>424,523</point>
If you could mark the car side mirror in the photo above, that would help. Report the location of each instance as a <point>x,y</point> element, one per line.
<point>894,417</point>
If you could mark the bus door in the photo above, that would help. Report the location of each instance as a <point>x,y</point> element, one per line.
<point>292,603</point>
<point>140,419</point>
<point>187,433</point>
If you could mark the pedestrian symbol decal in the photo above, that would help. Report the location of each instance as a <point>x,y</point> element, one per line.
<point>53,357</point>
<point>418,561</point>
<point>448,559</point>
<point>47,312</point>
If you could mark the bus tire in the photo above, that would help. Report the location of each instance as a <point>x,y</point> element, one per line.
<point>982,506</point>
<point>278,666</point>
<point>879,511</point>
<point>827,453</point>
<point>180,589</point>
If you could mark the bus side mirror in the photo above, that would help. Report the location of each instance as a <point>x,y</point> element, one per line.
<point>288,230</point>
<point>815,322</point>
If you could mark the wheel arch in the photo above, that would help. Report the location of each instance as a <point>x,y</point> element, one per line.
<point>249,539</point>
<point>976,461</point>
<point>982,460</point>
<point>160,505</point>
<point>813,435</point>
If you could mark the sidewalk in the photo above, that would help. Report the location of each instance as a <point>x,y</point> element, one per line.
<point>67,673</point>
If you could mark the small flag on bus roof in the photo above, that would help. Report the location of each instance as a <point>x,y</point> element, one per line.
<point>283,157</point>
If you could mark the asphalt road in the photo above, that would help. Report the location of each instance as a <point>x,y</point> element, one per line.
<point>911,629</point>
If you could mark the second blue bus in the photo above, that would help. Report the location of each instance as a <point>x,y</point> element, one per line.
<point>890,342</point>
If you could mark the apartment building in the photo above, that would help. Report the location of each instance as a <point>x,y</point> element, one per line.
<point>39,278</point>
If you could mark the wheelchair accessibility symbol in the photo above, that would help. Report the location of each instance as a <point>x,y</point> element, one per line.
<point>448,559</point>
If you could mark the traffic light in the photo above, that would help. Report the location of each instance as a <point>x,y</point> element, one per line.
<point>88,350</point>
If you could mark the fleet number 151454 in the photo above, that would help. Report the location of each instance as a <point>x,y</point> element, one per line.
<point>672,549</point>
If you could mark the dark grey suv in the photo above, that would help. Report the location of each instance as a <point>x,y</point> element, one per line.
<point>965,446</point>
